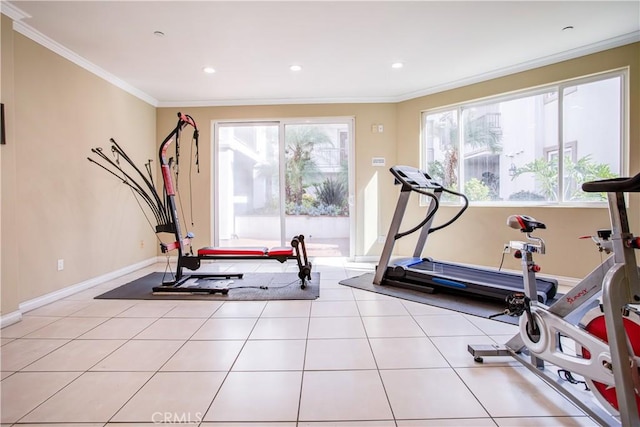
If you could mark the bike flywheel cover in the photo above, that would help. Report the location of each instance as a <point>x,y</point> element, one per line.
<point>594,323</point>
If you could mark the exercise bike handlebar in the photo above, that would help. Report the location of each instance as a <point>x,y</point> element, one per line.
<point>614,185</point>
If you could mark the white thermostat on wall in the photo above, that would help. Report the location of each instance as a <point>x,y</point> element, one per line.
<point>377,161</point>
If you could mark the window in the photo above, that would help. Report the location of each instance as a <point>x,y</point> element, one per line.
<point>506,149</point>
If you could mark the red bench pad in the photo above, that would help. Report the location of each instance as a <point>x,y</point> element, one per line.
<point>243,251</point>
<point>282,251</point>
<point>237,251</point>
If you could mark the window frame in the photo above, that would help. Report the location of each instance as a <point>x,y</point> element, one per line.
<point>559,87</point>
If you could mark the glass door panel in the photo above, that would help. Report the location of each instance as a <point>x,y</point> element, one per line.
<point>316,181</point>
<point>247,183</point>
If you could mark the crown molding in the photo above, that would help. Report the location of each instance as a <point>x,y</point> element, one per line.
<point>68,54</point>
<point>274,101</point>
<point>13,12</point>
<point>526,66</point>
<point>17,15</point>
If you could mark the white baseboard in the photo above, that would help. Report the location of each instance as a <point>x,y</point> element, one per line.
<point>366,258</point>
<point>43,300</point>
<point>10,319</point>
<point>562,280</point>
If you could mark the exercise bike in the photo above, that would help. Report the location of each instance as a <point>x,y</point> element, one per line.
<point>600,315</point>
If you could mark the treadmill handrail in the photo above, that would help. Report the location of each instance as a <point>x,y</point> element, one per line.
<point>414,179</point>
<point>422,223</point>
<point>457,215</point>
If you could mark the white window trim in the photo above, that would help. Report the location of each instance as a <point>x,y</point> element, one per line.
<point>559,86</point>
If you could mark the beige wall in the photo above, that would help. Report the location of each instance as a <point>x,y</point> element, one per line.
<point>477,238</point>
<point>8,232</point>
<point>55,204</point>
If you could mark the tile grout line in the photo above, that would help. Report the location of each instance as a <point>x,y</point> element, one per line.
<point>228,372</point>
<point>157,370</point>
<point>384,388</point>
<point>304,358</point>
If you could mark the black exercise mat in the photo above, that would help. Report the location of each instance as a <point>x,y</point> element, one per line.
<point>473,305</point>
<point>277,286</point>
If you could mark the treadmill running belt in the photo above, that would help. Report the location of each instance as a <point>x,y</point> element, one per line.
<point>454,277</point>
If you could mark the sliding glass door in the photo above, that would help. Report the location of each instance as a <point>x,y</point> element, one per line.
<point>277,179</point>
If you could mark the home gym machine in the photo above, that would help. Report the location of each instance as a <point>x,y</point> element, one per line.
<point>428,275</point>
<point>165,211</point>
<point>600,316</point>
<point>190,283</point>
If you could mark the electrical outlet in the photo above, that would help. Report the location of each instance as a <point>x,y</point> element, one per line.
<point>381,239</point>
<point>60,264</point>
<point>506,249</point>
<point>380,128</point>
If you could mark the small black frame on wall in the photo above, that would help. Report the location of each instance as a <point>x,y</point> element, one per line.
<point>3,139</point>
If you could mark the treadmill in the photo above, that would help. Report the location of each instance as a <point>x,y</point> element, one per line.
<point>428,275</point>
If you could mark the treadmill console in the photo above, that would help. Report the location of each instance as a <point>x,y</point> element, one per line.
<point>413,177</point>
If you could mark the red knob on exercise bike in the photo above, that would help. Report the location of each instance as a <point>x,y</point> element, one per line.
<point>535,268</point>
<point>517,254</point>
<point>634,243</point>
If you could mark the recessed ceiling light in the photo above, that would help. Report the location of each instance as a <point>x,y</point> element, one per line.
<point>295,68</point>
<point>567,28</point>
<point>397,65</point>
<point>158,33</point>
<point>209,70</point>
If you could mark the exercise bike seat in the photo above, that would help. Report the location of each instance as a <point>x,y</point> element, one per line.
<point>524,223</point>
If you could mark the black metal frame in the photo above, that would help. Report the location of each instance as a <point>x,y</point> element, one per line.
<point>3,134</point>
<point>192,262</point>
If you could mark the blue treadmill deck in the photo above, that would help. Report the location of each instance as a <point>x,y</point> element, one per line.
<point>416,273</point>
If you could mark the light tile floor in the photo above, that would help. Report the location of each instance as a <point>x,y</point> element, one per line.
<point>350,358</point>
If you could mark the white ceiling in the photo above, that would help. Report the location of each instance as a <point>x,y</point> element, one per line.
<point>345,48</point>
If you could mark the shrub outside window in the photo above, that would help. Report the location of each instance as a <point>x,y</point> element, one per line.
<point>507,148</point>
